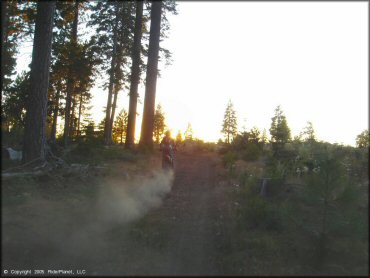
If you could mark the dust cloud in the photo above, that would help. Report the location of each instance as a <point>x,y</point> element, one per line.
<point>122,201</point>
<point>64,234</point>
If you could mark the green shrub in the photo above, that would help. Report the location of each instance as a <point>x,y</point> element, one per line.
<point>277,172</point>
<point>257,212</point>
<point>96,153</point>
<point>251,152</point>
<point>229,160</point>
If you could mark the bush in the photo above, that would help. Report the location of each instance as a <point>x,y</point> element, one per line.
<point>13,138</point>
<point>96,153</point>
<point>257,212</point>
<point>323,222</point>
<point>251,152</point>
<point>229,160</point>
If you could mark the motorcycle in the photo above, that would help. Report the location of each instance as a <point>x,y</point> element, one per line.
<point>168,158</point>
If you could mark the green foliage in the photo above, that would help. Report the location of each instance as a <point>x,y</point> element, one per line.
<point>277,171</point>
<point>120,126</point>
<point>20,19</point>
<point>89,131</point>
<point>248,144</point>
<point>201,146</point>
<point>319,222</point>
<point>90,135</point>
<point>229,160</point>
<point>261,214</point>
<point>363,139</point>
<point>159,123</point>
<point>255,211</point>
<point>14,102</point>
<point>189,132</point>
<point>329,204</point>
<point>280,132</point>
<point>74,66</point>
<point>14,137</point>
<point>330,192</point>
<point>179,138</point>
<point>93,153</point>
<point>229,126</point>
<point>308,134</point>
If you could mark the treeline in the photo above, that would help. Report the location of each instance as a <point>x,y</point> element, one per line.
<point>280,133</point>
<point>76,43</point>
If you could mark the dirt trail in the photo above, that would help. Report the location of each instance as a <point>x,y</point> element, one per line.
<point>185,235</point>
<point>193,210</point>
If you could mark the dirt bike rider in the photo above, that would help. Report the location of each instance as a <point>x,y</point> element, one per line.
<point>167,146</point>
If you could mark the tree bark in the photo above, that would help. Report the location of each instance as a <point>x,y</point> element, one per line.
<point>135,76</point>
<point>55,117</point>
<point>107,131</point>
<point>79,118</point>
<point>35,128</point>
<point>4,27</point>
<point>75,21</point>
<point>72,119</point>
<point>113,112</point>
<point>70,83</point>
<point>146,138</point>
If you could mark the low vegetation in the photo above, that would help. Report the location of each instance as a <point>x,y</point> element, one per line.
<point>303,213</point>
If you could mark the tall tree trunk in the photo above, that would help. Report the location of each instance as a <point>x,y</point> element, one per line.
<point>4,27</point>
<point>75,21</point>
<point>70,127</point>
<point>115,95</point>
<point>107,131</point>
<point>70,82</point>
<point>67,115</point>
<point>113,112</point>
<point>79,118</point>
<point>135,76</point>
<point>55,116</point>
<point>35,128</point>
<point>146,138</point>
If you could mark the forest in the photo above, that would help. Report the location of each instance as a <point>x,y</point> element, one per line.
<point>92,198</point>
<point>120,45</point>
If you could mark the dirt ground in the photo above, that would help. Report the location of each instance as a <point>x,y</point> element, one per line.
<point>58,225</point>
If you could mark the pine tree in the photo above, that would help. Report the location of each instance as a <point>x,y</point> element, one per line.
<point>178,137</point>
<point>280,132</point>
<point>308,134</point>
<point>120,127</point>
<point>146,138</point>
<point>135,75</point>
<point>264,136</point>
<point>363,139</point>
<point>230,126</point>
<point>71,80</point>
<point>73,70</point>
<point>35,129</point>
<point>14,102</point>
<point>17,24</point>
<point>189,132</point>
<point>114,22</point>
<point>159,27</point>
<point>159,123</point>
<point>89,130</point>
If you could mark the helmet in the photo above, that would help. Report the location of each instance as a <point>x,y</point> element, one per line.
<point>168,133</point>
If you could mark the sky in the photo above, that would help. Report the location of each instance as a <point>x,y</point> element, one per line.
<point>311,58</point>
